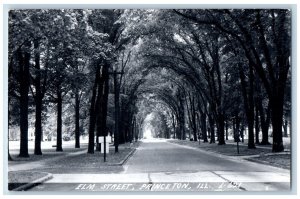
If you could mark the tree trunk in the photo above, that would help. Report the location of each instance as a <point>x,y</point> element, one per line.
<point>194,123</point>
<point>221,131</point>
<point>8,134</point>
<point>192,119</point>
<point>105,100</point>
<point>38,125</point>
<point>257,129</point>
<point>265,122</point>
<point>250,116</point>
<point>242,132</point>
<point>38,102</point>
<point>285,125</point>
<point>290,127</point>
<point>99,107</point>
<point>236,128</point>
<point>226,129</point>
<point>203,127</point>
<point>136,131</point>
<point>174,126</point>
<point>181,118</point>
<point>212,129</point>
<point>248,103</point>
<point>92,122</point>
<point>276,114</point>
<point>102,103</point>
<point>77,115</point>
<point>9,156</point>
<point>59,120</point>
<point>117,112</point>
<point>24,91</point>
<point>195,133</point>
<point>99,111</point>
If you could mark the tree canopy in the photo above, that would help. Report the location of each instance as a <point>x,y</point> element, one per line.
<point>197,72</point>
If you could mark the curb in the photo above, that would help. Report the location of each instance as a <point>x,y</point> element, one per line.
<point>124,160</point>
<point>128,156</point>
<point>34,183</point>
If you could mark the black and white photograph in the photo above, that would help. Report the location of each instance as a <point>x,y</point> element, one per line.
<point>148,100</point>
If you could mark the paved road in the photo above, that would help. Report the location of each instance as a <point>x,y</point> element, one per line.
<point>158,165</point>
<point>162,156</point>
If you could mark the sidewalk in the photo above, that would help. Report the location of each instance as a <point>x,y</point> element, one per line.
<point>160,181</point>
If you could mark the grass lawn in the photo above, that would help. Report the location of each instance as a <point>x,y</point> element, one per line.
<point>87,160</point>
<point>227,149</point>
<point>278,160</point>
<point>264,155</point>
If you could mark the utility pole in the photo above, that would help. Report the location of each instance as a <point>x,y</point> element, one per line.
<point>117,109</point>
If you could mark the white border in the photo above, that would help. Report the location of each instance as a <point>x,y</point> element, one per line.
<point>182,2</point>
